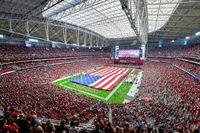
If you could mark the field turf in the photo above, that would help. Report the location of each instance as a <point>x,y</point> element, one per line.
<point>117,95</point>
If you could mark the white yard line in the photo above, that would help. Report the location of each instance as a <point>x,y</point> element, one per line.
<point>64,78</point>
<point>106,99</point>
<point>113,91</point>
<point>61,84</point>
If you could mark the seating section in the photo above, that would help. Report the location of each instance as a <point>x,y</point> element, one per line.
<point>174,96</point>
<point>31,90</point>
<point>193,68</point>
<point>173,104</point>
<point>18,53</point>
<point>177,51</point>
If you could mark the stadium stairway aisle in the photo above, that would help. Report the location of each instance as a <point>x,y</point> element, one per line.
<point>90,127</point>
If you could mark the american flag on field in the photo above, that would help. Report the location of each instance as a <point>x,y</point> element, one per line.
<point>106,78</point>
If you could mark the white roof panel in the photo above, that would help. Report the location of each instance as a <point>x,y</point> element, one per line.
<point>107,18</point>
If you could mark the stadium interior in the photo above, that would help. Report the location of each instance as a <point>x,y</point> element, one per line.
<point>99,66</point>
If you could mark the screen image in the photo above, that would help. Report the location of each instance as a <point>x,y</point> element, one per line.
<point>28,44</point>
<point>129,53</point>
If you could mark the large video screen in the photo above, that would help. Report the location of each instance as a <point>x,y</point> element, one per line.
<point>129,53</point>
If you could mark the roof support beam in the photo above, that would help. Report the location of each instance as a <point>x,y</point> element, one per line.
<point>74,9</point>
<point>141,27</point>
<point>175,15</point>
<point>10,25</point>
<point>178,27</point>
<point>27,28</point>
<point>66,6</point>
<point>65,34</point>
<point>90,40</point>
<point>176,32</point>
<point>174,3</point>
<point>85,38</point>
<point>47,31</point>
<point>97,41</point>
<point>77,38</point>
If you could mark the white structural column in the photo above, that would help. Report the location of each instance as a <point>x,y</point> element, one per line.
<point>65,34</point>
<point>77,37</point>
<point>97,41</point>
<point>10,25</point>
<point>27,28</point>
<point>90,40</point>
<point>102,43</point>
<point>85,38</point>
<point>32,27</point>
<point>143,47</point>
<point>47,30</point>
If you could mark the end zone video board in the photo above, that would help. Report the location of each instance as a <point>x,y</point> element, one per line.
<point>129,53</point>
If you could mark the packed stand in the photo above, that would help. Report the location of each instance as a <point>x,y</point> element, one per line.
<point>18,53</point>
<point>173,104</point>
<point>190,67</point>
<point>176,51</point>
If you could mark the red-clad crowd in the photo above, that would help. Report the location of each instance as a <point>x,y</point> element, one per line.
<point>177,51</point>
<point>19,53</point>
<point>173,105</point>
<point>190,67</point>
<point>193,68</point>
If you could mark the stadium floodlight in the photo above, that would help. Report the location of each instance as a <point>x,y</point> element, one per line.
<point>187,38</point>
<point>33,40</point>
<point>1,36</point>
<point>172,40</point>
<point>185,42</point>
<point>197,34</point>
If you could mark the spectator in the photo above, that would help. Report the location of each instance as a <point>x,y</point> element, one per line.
<point>38,127</point>
<point>12,128</point>
<point>23,124</point>
<point>62,127</point>
<point>73,128</point>
<point>126,129</point>
<point>109,128</point>
<point>49,127</point>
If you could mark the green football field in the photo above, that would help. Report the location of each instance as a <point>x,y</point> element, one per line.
<point>117,95</point>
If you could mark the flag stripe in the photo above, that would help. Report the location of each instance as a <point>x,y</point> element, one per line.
<point>105,73</point>
<point>110,82</point>
<point>115,81</point>
<point>106,78</point>
<point>103,78</point>
<point>109,79</point>
<point>102,72</point>
<point>98,71</point>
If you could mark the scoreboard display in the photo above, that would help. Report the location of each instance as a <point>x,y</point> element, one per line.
<point>129,53</point>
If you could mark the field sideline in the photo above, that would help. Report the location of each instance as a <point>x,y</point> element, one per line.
<point>117,95</point>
